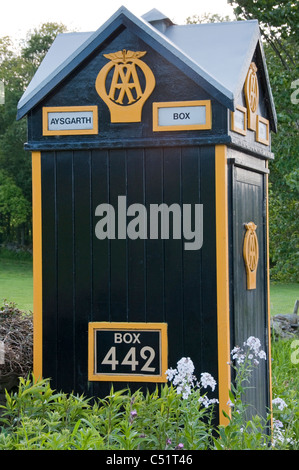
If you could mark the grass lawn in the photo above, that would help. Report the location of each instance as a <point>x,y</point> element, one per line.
<point>16,286</point>
<point>16,283</point>
<point>283,297</point>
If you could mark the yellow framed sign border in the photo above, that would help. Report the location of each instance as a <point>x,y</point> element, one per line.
<point>243,110</point>
<point>94,326</point>
<point>182,127</point>
<point>63,109</point>
<point>258,138</point>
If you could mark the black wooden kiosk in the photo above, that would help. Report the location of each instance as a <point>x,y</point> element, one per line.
<point>150,146</point>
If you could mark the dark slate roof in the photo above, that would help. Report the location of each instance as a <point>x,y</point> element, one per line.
<point>215,55</point>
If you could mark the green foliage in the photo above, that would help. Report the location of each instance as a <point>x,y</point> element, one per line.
<point>39,41</point>
<point>37,417</point>
<point>285,387</point>
<point>15,209</point>
<point>207,18</point>
<point>278,22</point>
<point>280,431</point>
<point>17,67</point>
<point>284,175</point>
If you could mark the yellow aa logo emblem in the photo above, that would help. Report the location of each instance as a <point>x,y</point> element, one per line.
<point>251,254</point>
<point>125,95</point>
<point>251,90</point>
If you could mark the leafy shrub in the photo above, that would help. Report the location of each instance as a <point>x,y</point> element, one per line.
<point>36,417</point>
<point>285,386</point>
<point>175,416</point>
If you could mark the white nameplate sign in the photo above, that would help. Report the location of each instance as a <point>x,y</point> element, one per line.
<point>263,134</point>
<point>239,120</point>
<point>262,130</point>
<point>70,120</point>
<point>182,115</point>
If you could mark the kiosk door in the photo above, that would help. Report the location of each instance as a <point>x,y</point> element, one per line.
<point>249,273</point>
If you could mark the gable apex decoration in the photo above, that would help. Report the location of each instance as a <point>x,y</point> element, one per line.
<point>207,66</point>
<point>125,80</point>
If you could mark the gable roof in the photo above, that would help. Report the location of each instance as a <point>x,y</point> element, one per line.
<point>214,55</point>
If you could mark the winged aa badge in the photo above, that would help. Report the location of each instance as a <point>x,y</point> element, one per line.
<point>124,84</point>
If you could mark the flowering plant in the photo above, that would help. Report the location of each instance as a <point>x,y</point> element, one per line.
<point>245,358</point>
<point>185,382</point>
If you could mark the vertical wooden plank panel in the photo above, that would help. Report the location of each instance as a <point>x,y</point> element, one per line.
<point>154,248</point>
<point>208,252</point>
<point>192,260</point>
<point>100,248</point>
<point>48,162</point>
<point>118,187</point>
<point>136,248</point>
<point>173,259</point>
<point>65,271</point>
<point>249,305</point>
<point>82,264</point>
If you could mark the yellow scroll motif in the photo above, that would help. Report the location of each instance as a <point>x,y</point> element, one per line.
<point>251,254</point>
<point>251,91</point>
<point>125,97</point>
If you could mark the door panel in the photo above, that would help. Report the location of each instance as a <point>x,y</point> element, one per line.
<point>250,305</point>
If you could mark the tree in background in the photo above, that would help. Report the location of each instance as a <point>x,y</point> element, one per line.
<point>17,67</point>
<point>278,20</point>
<point>278,23</point>
<point>207,18</point>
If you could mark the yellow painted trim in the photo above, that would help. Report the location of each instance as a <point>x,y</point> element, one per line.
<point>37,266</point>
<point>258,138</point>
<point>222,243</point>
<point>233,126</point>
<point>186,127</point>
<point>62,109</point>
<point>268,295</point>
<point>93,326</point>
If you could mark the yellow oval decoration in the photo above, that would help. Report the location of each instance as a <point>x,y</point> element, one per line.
<point>251,254</point>
<point>125,98</point>
<point>251,91</point>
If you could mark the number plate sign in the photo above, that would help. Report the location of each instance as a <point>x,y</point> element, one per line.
<point>127,352</point>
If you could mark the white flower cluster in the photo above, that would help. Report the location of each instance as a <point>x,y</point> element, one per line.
<point>182,377</point>
<point>206,402</point>
<point>278,434</point>
<point>281,404</point>
<point>251,349</point>
<point>207,380</point>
